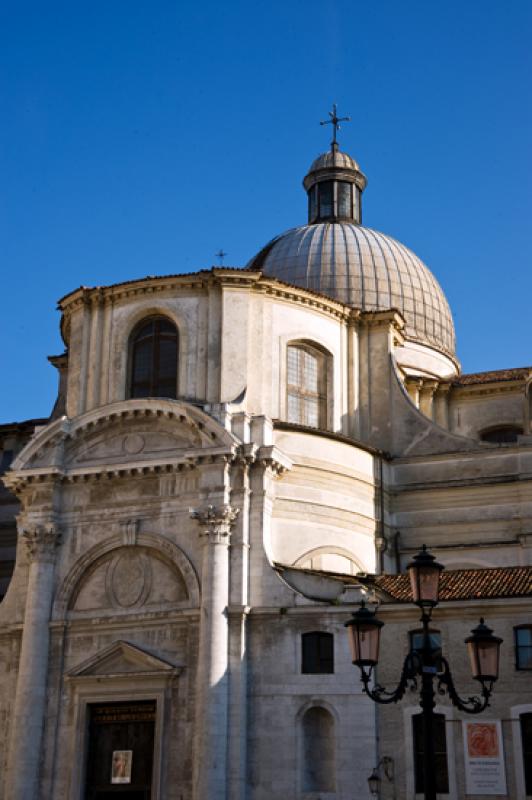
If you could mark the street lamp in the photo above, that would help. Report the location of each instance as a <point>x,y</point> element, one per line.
<point>374,780</point>
<point>425,662</point>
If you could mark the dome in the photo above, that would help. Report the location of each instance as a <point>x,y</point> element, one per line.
<point>334,159</point>
<point>365,269</point>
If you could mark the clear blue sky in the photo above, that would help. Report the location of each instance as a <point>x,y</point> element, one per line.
<point>138,138</point>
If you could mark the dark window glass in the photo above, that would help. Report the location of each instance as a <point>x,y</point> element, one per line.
<point>526,743</point>
<point>416,643</point>
<point>523,647</point>
<point>344,199</point>
<point>440,754</point>
<point>154,359</point>
<point>317,653</point>
<point>508,433</point>
<point>326,199</point>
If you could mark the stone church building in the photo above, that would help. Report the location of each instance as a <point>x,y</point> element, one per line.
<point>235,458</point>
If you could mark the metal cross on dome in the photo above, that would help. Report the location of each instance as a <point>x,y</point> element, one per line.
<point>335,122</point>
<point>220,255</point>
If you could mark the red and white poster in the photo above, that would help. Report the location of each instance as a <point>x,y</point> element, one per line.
<point>484,757</point>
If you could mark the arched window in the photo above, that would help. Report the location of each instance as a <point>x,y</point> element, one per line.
<point>153,359</point>
<point>317,653</point>
<point>318,756</point>
<point>306,385</point>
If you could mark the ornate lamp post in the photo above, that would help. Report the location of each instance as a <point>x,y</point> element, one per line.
<point>425,663</point>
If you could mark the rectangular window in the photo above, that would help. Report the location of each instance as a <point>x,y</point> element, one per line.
<point>306,386</point>
<point>523,647</point>
<point>317,655</point>
<point>326,199</point>
<point>526,743</point>
<point>440,754</point>
<point>344,200</point>
<point>417,640</point>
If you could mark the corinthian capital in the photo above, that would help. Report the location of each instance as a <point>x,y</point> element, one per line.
<point>215,522</point>
<point>41,541</point>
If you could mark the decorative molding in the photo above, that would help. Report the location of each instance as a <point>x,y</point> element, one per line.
<point>40,542</point>
<point>130,529</point>
<point>215,522</point>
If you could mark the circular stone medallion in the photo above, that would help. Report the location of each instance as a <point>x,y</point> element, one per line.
<point>133,443</point>
<point>129,579</point>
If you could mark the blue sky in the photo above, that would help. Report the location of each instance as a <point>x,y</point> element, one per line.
<point>138,138</point>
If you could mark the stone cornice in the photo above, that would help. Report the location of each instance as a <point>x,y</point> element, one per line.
<point>475,390</point>
<point>202,281</point>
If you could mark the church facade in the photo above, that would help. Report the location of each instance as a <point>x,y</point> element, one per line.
<point>235,459</point>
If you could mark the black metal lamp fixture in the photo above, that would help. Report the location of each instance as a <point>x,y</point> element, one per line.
<point>374,780</point>
<point>374,783</point>
<point>425,663</point>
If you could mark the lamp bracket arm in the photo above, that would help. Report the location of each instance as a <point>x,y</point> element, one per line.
<point>381,695</point>
<point>471,705</point>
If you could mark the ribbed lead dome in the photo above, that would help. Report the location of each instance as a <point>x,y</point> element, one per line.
<point>365,269</point>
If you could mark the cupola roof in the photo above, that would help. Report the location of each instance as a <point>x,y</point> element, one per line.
<point>337,256</point>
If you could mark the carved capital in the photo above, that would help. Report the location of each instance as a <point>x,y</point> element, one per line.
<point>41,541</point>
<point>215,522</point>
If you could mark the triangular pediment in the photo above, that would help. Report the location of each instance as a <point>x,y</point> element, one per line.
<point>123,658</point>
<point>140,432</point>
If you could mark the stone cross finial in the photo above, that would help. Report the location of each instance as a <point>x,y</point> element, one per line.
<point>215,521</point>
<point>220,255</point>
<point>335,122</point>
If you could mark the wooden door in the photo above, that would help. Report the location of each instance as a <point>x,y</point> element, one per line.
<point>120,752</point>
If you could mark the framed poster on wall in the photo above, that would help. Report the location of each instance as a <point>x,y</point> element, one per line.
<point>484,757</point>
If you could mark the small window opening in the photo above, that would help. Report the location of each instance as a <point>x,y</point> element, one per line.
<point>317,656</point>
<point>523,647</point>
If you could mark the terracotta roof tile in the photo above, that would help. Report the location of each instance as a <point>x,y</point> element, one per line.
<point>456,584</point>
<point>465,584</point>
<point>494,376</point>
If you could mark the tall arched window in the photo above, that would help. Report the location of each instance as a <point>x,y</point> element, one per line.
<point>318,757</point>
<point>306,385</point>
<point>153,359</point>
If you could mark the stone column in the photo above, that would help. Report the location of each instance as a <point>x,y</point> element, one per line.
<point>426,397</point>
<point>27,721</point>
<point>441,405</point>
<point>413,386</point>
<point>211,751</point>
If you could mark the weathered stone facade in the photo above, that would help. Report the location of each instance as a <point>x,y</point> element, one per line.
<point>151,533</point>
